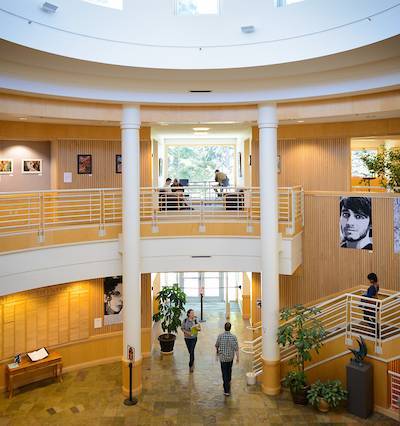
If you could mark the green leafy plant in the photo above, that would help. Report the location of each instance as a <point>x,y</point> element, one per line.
<point>171,302</point>
<point>385,165</point>
<point>303,331</point>
<point>331,391</point>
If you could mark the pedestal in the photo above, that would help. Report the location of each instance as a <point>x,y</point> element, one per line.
<point>360,389</point>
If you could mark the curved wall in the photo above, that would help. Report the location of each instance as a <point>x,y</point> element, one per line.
<point>282,35</point>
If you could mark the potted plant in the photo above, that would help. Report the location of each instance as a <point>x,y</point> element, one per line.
<point>303,331</point>
<point>171,301</point>
<point>385,165</point>
<point>326,395</point>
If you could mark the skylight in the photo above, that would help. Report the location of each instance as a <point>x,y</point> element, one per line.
<point>114,4</point>
<point>197,7</point>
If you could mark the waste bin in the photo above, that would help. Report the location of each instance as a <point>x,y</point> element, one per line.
<point>251,378</point>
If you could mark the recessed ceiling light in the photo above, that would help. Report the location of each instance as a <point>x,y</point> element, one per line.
<point>300,121</point>
<point>49,7</point>
<point>22,118</point>
<point>247,29</point>
<point>163,124</point>
<point>201,129</point>
<point>200,133</point>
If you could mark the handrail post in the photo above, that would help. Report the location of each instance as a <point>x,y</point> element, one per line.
<point>102,229</point>
<point>41,217</point>
<point>378,327</point>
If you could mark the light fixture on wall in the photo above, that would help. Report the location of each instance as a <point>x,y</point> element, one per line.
<point>49,7</point>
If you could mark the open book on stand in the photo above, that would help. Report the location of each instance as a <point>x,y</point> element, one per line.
<point>38,355</point>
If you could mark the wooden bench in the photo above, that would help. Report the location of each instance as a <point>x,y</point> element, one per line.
<point>27,369</point>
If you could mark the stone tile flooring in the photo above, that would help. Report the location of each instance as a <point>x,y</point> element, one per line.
<point>171,395</point>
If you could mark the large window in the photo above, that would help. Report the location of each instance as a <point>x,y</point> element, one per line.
<point>197,7</point>
<point>358,168</point>
<point>198,163</point>
<point>114,4</point>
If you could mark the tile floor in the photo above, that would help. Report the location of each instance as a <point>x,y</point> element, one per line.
<point>171,396</point>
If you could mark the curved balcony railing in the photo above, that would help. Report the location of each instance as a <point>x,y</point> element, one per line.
<point>43,212</point>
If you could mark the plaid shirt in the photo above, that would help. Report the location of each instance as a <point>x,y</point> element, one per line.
<point>226,346</point>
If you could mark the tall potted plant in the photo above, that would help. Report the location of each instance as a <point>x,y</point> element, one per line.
<point>171,301</point>
<point>385,165</point>
<point>302,330</point>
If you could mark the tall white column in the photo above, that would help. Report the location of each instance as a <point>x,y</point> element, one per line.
<point>130,127</point>
<point>268,123</point>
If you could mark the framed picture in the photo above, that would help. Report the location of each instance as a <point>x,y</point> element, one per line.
<point>84,164</point>
<point>118,163</point>
<point>32,166</point>
<point>240,165</point>
<point>160,167</point>
<point>6,167</point>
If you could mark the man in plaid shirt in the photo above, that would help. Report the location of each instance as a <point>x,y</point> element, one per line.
<point>227,346</point>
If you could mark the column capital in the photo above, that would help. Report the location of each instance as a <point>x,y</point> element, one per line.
<point>267,115</point>
<point>130,116</point>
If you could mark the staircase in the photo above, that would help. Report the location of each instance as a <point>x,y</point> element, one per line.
<point>345,318</point>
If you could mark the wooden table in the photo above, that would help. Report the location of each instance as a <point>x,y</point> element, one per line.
<point>27,369</point>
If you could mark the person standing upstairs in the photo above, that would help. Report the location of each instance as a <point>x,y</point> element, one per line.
<point>227,346</point>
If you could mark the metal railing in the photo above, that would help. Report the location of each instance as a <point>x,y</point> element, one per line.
<point>37,212</point>
<point>394,390</point>
<point>211,204</point>
<point>41,211</point>
<point>350,315</point>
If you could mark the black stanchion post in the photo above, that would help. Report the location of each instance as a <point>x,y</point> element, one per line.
<point>201,305</point>
<point>130,400</point>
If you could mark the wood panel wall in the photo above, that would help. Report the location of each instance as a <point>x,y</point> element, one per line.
<point>322,164</point>
<point>51,316</point>
<point>326,267</point>
<point>255,311</point>
<point>103,163</point>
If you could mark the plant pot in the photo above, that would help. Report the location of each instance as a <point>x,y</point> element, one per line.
<point>323,406</point>
<point>300,396</point>
<point>167,342</point>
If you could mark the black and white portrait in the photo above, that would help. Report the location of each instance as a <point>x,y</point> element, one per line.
<point>113,301</point>
<point>396,222</point>
<point>356,223</point>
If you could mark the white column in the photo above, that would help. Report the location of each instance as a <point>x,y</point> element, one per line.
<point>130,127</point>
<point>267,123</point>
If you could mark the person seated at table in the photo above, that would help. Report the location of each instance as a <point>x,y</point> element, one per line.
<point>223,181</point>
<point>180,194</point>
<point>167,185</point>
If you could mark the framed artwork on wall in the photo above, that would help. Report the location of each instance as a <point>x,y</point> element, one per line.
<point>32,166</point>
<point>118,163</point>
<point>240,165</point>
<point>84,164</point>
<point>6,167</point>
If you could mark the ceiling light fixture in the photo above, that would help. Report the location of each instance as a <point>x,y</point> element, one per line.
<point>300,121</point>
<point>248,29</point>
<point>201,129</point>
<point>49,7</point>
<point>22,118</point>
<point>200,91</point>
<point>200,133</point>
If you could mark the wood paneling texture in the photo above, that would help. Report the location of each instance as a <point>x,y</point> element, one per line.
<point>146,177</point>
<point>103,163</point>
<point>52,316</point>
<point>327,268</point>
<point>255,162</point>
<point>322,164</point>
<point>255,311</point>
<point>146,301</point>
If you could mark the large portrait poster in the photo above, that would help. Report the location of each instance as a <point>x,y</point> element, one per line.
<point>356,223</point>
<point>113,301</point>
<point>396,221</point>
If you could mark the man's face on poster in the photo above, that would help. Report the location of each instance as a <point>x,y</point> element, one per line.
<point>115,300</point>
<point>354,225</point>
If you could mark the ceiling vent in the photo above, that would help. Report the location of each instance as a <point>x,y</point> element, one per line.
<point>200,91</point>
<point>49,7</point>
<point>248,29</point>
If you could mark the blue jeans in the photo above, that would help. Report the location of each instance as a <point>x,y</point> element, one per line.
<point>226,368</point>
<point>191,344</point>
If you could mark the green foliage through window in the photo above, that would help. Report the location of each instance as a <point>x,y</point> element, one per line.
<point>198,163</point>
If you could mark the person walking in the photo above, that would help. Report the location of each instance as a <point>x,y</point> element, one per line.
<point>190,328</point>
<point>227,346</point>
